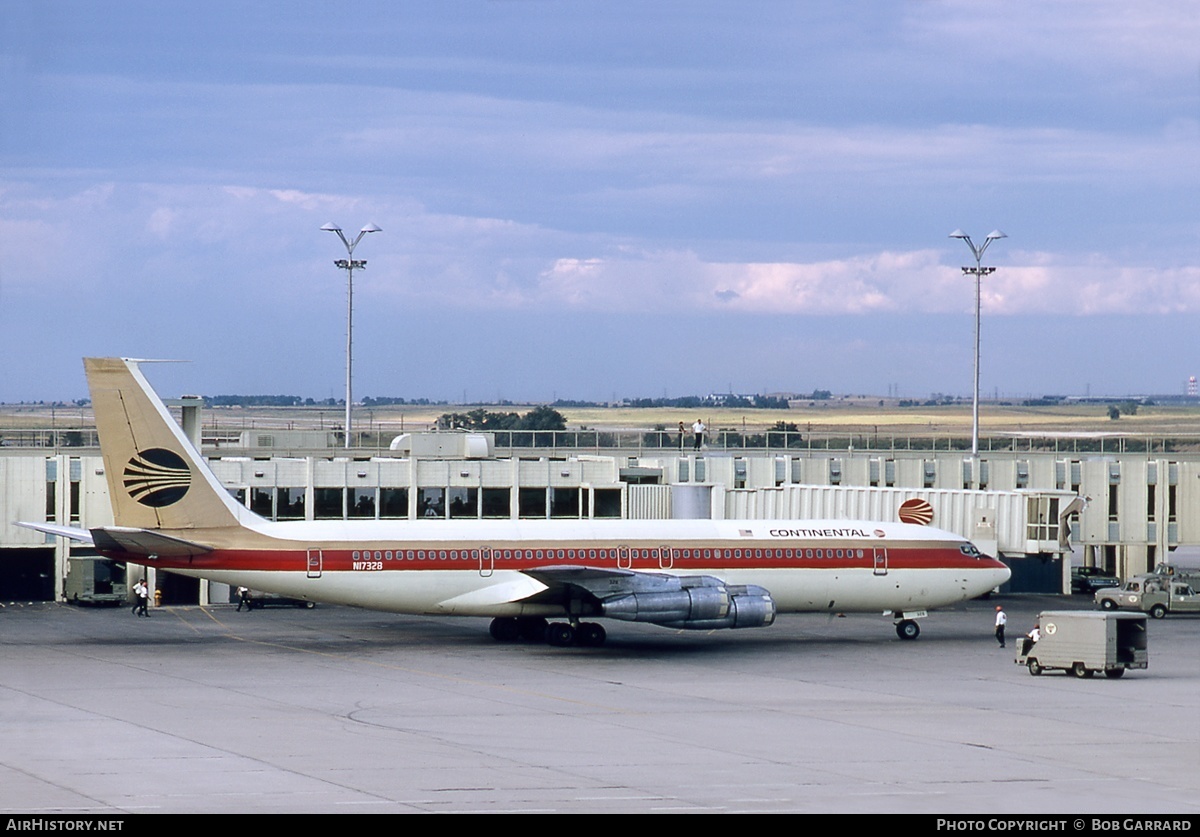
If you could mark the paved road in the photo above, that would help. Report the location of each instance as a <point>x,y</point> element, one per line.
<point>343,710</point>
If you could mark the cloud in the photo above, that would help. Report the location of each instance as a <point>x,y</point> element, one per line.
<point>1158,36</point>
<point>915,282</point>
<point>240,242</point>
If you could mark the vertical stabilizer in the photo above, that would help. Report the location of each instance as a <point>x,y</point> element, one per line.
<point>156,478</point>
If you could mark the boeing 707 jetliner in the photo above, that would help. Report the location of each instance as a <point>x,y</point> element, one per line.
<point>170,511</point>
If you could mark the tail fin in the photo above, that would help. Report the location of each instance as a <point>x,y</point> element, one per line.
<point>156,477</point>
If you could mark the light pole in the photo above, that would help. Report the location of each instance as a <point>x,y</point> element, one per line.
<point>978,272</point>
<point>350,265</point>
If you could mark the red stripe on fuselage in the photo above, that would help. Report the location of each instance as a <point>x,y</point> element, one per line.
<point>636,558</point>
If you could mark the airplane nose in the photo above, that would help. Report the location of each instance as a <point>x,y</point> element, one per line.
<point>1000,573</point>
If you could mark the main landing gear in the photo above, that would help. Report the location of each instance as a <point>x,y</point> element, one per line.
<point>558,634</point>
<point>908,629</point>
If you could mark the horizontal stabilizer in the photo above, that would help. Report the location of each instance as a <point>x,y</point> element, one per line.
<point>61,531</point>
<point>144,542</point>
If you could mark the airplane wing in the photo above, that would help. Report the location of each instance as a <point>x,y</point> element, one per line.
<point>685,601</point>
<point>605,583</point>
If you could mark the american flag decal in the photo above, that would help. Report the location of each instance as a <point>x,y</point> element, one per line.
<point>746,533</point>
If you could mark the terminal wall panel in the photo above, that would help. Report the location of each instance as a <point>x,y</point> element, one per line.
<point>22,497</point>
<point>432,472</point>
<point>533,473</point>
<point>292,473</point>
<point>564,474</point>
<point>466,474</point>
<point>649,502</point>
<point>393,472</point>
<point>597,471</point>
<point>1094,522</point>
<point>856,471</point>
<point>909,472</point>
<point>1042,472</point>
<point>743,504</point>
<point>96,509</point>
<point>1002,474</point>
<point>499,473</point>
<point>1187,502</point>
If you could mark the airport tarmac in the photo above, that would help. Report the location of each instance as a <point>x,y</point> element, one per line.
<point>348,711</point>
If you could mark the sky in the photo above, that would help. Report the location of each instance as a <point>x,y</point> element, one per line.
<point>589,199</point>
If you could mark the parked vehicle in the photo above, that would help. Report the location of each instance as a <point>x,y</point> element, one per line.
<point>1191,575</point>
<point>1085,642</point>
<point>95,581</point>
<point>1152,593</point>
<point>1090,579</point>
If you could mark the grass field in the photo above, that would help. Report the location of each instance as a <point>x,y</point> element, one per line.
<point>853,416</point>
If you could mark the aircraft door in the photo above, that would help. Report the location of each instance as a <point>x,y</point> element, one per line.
<point>315,563</point>
<point>881,566</point>
<point>666,557</point>
<point>485,561</point>
<point>624,561</point>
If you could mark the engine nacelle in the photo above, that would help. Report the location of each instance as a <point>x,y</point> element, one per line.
<point>750,606</point>
<point>686,605</point>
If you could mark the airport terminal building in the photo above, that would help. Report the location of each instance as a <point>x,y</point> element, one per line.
<point>1040,505</point>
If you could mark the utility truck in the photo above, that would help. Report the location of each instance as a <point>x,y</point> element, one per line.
<point>1084,642</point>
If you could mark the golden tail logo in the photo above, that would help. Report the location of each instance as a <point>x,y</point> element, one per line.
<point>156,479</point>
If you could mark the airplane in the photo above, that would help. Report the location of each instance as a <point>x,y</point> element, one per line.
<point>170,511</point>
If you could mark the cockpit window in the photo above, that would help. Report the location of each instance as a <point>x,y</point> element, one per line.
<point>971,550</point>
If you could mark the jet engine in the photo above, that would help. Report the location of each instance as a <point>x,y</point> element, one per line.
<point>699,608</point>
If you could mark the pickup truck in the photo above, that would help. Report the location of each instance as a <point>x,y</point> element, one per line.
<point>1154,594</point>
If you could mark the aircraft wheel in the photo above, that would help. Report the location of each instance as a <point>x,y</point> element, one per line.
<point>1079,670</point>
<point>504,629</point>
<point>591,634</point>
<point>1114,673</point>
<point>531,628</point>
<point>560,634</point>
<point>907,629</point>
<point>1035,668</point>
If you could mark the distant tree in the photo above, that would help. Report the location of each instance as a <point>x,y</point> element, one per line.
<point>254,400</point>
<point>542,418</point>
<point>539,418</point>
